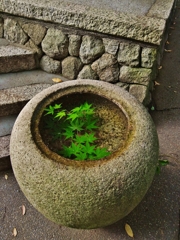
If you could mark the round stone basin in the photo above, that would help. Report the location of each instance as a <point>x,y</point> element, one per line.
<point>86,194</point>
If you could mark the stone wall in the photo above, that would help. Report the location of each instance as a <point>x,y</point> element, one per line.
<point>86,55</point>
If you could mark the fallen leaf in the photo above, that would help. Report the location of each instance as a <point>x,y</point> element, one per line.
<point>167,42</point>
<point>171,27</point>
<point>160,67</point>
<point>57,80</point>
<point>14,232</point>
<point>166,50</point>
<point>175,91</point>
<point>6,176</point>
<point>156,83</point>
<point>23,210</point>
<point>129,230</point>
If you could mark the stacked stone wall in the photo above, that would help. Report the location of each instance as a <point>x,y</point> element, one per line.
<point>85,55</point>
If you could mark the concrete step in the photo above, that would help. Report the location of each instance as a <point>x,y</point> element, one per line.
<point>15,57</point>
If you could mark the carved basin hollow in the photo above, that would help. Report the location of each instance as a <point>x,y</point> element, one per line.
<point>86,194</point>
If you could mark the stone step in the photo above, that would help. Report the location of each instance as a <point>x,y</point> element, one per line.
<point>16,89</point>
<point>15,57</point>
<point>4,153</point>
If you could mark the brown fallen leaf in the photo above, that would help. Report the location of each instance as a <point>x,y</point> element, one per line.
<point>167,42</point>
<point>160,67</point>
<point>156,83</point>
<point>129,230</point>
<point>6,176</point>
<point>57,80</point>
<point>14,232</point>
<point>166,50</point>
<point>23,210</point>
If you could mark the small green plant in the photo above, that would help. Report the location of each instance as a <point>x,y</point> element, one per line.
<point>161,163</point>
<point>77,131</point>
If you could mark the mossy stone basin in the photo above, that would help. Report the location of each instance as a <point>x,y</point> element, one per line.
<point>86,194</point>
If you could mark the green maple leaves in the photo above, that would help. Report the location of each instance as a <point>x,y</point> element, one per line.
<point>77,129</point>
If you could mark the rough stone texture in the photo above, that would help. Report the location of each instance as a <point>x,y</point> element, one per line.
<point>85,194</point>
<point>74,45</point>
<point>107,68</point>
<point>14,58</point>
<point>148,57</point>
<point>38,50</point>
<point>87,73</point>
<point>12,100</point>
<point>125,86</point>
<point>129,54</point>
<point>1,27</point>
<point>71,67</point>
<point>141,93</point>
<point>4,153</point>
<point>50,65</point>
<point>35,31</point>
<point>55,44</point>
<point>13,32</point>
<point>91,48</point>
<point>101,20</point>
<point>111,45</point>
<point>135,75</point>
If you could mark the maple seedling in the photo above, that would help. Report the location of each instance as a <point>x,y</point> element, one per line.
<point>77,130</point>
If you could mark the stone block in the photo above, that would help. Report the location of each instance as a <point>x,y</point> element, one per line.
<point>111,45</point>
<point>87,73</point>
<point>74,45</point>
<point>129,54</point>
<point>30,44</point>
<point>50,65</point>
<point>91,49</point>
<point>13,32</point>
<point>148,57</point>
<point>35,31</point>
<point>107,68</point>
<point>135,75</point>
<point>1,27</point>
<point>5,162</point>
<point>55,44</point>
<point>141,92</point>
<point>71,67</point>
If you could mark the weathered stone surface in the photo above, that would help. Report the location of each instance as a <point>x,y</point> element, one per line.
<point>35,31</point>
<point>111,45</point>
<point>38,50</point>
<point>125,86</point>
<point>148,57</point>
<point>87,73</point>
<point>14,58</point>
<point>50,65</point>
<point>71,67</point>
<point>91,48</point>
<point>141,93</point>
<point>135,75</point>
<point>74,45</point>
<point>4,153</point>
<point>12,100</point>
<point>55,44</point>
<point>1,27</point>
<point>63,184</point>
<point>13,32</point>
<point>129,54</point>
<point>107,68</point>
<point>141,28</point>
